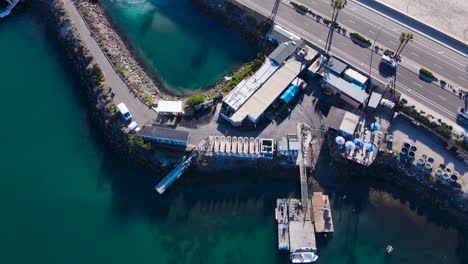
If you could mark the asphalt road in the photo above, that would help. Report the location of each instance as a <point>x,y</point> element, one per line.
<point>428,94</point>
<point>424,51</point>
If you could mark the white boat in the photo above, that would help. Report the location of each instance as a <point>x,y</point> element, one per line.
<point>303,256</point>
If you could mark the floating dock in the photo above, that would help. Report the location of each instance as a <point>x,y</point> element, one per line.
<point>298,223</point>
<point>174,174</point>
<point>322,216</point>
<point>283,228</point>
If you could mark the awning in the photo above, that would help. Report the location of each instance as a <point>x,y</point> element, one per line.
<point>289,94</point>
<point>174,107</point>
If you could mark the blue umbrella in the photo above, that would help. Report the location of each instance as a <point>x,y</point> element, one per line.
<point>359,142</point>
<point>375,127</point>
<point>349,145</point>
<point>370,147</point>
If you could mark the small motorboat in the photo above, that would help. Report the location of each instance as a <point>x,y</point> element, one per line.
<point>304,255</point>
<point>389,249</point>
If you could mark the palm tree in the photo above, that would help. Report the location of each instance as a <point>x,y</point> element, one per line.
<point>404,39</point>
<point>336,6</point>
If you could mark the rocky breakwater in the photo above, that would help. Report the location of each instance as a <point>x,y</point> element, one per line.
<point>101,106</point>
<point>120,55</point>
<point>406,180</point>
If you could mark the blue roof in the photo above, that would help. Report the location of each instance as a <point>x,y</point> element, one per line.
<point>289,94</point>
<point>356,85</point>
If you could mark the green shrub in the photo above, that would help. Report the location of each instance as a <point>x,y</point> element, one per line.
<point>326,21</point>
<point>443,82</point>
<point>238,78</point>
<point>139,89</point>
<point>147,99</point>
<point>299,6</point>
<point>359,37</point>
<point>195,99</point>
<point>443,131</point>
<point>463,144</point>
<point>136,144</point>
<point>120,69</point>
<point>426,72</point>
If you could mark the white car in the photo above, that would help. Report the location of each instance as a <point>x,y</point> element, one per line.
<point>134,126</point>
<point>124,112</point>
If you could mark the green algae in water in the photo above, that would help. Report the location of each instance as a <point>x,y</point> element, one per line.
<point>183,47</point>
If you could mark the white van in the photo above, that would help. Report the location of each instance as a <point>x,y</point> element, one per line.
<point>124,111</point>
<point>389,61</point>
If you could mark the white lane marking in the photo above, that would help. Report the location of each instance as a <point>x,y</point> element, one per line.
<point>443,98</point>
<point>372,32</point>
<point>345,54</point>
<point>415,83</point>
<point>352,22</point>
<point>393,42</point>
<point>462,78</point>
<point>437,65</point>
<point>415,54</point>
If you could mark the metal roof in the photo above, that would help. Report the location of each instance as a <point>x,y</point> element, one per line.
<point>246,88</point>
<point>259,102</point>
<point>349,123</point>
<point>165,133</point>
<point>280,34</point>
<point>336,65</point>
<point>346,88</point>
<point>374,100</point>
<point>284,50</point>
<point>356,76</point>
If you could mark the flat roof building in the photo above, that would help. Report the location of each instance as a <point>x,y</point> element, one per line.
<point>264,97</point>
<point>279,35</point>
<point>341,120</point>
<point>284,51</point>
<point>353,76</point>
<point>350,93</point>
<point>335,65</point>
<point>165,135</point>
<point>170,107</point>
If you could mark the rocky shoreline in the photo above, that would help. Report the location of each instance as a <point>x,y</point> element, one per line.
<point>140,81</point>
<point>103,111</point>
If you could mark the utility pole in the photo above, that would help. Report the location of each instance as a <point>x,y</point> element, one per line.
<point>373,49</point>
<point>274,11</point>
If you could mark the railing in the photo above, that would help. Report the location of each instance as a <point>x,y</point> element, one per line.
<point>5,12</point>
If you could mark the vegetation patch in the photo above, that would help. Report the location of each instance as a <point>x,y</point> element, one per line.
<point>196,99</point>
<point>326,21</point>
<point>300,7</point>
<point>463,144</point>
<point>236,79</point>
<point>360,38</point>
<point>426,72</point>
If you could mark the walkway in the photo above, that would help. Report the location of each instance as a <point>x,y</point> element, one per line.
<point>141,113</point>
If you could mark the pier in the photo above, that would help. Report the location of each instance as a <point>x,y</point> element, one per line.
<point>174,174</point>
<point>321,213</point>
<point>11,4</point>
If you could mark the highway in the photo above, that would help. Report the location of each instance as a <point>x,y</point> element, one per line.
<point>424,51</point>
<point>430,95</point>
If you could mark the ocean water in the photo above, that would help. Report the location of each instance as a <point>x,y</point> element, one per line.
<point>67,198</point>
<point>186,49</point>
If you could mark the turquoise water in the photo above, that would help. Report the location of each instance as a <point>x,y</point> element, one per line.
<point>184,48</point>
<point>67,198</point>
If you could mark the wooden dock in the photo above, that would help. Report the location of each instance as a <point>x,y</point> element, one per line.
<point>281,214</point>
<point>322,216</point>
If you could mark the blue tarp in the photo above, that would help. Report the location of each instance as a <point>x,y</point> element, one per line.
<point>289,94</point>
<point>357,86</point>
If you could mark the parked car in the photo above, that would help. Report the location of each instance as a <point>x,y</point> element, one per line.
<point>123,110</point>
<point>389,61</point>
<point>134,126</point>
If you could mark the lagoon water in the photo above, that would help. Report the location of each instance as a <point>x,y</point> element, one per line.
<point>67,198</point>
<point>184,48</point>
